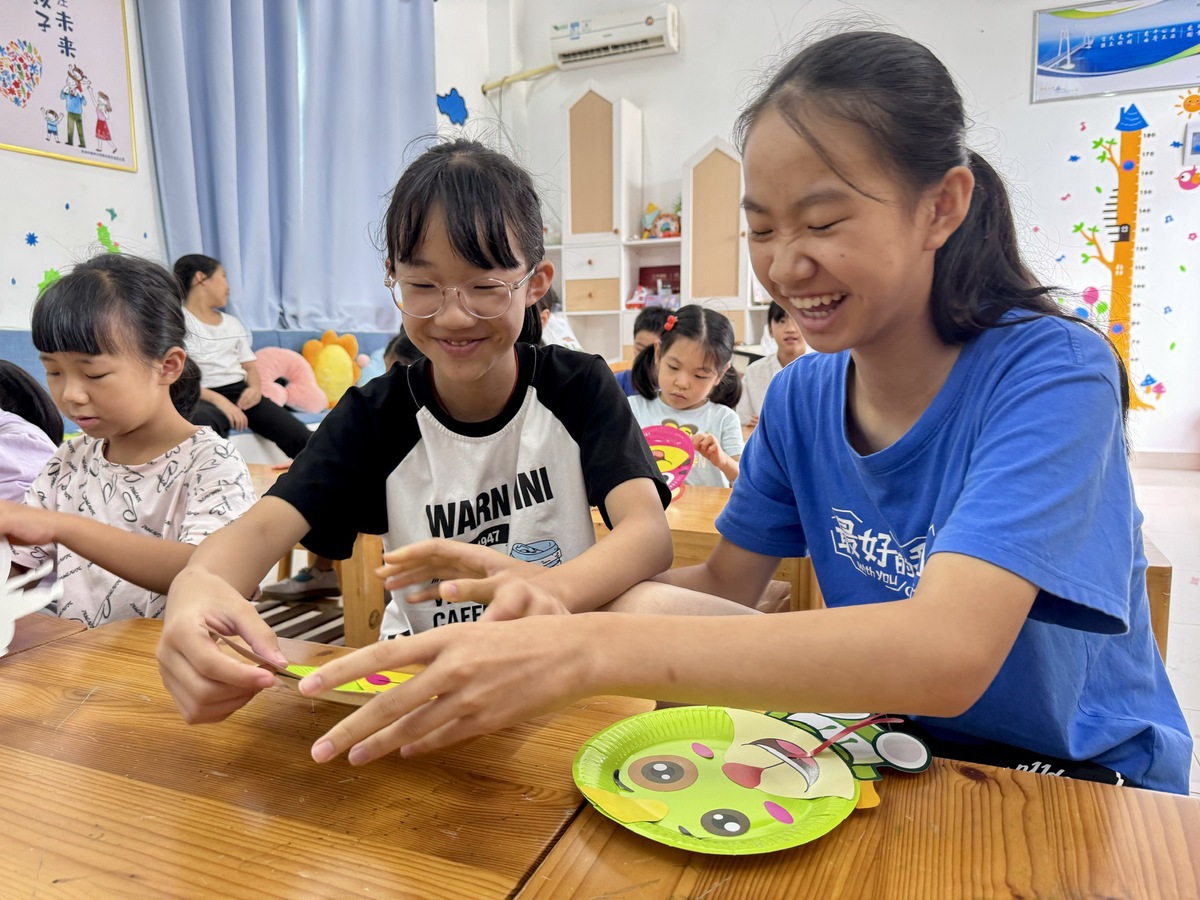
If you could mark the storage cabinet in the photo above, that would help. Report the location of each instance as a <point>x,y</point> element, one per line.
<point>602,250</point>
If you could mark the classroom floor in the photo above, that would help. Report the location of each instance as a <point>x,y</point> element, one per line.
<point>1170,500</point>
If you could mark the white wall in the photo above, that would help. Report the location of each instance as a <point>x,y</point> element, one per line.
<point>60,202</point>
<point>690,97</point>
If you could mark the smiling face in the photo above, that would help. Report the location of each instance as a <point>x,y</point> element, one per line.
<point>474,367</point>
<point>686,374</point>
<point>854,267</point>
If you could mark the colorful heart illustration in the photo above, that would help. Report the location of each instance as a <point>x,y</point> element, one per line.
<point>20,71</point>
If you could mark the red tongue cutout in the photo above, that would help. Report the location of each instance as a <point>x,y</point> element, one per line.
<point>742,774</point>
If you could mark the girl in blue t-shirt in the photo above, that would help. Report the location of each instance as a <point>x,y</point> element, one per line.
<point>687,380</point>
<point>952,458</point>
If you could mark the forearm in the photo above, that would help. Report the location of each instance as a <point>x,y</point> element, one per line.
<point>636,549</point>
<point>792,661</point>
<point>208,395</point>
<point>149,562</point>
<point>729,467</point>
<point>242,552</point>
<point>253,379</point>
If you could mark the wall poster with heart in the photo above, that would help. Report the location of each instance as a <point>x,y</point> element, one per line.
<point>65,89</point>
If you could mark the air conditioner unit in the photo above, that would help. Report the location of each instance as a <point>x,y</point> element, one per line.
<point>612,37</point>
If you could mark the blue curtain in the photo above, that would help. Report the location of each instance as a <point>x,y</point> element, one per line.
<point>279,128</point>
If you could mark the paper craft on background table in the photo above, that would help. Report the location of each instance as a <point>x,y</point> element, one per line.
<point>15,601</point>
<point>733,781</point>
<point>353,693</point>
<point>675,453</point>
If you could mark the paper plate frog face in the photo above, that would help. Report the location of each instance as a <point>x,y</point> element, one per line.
<point>674,452</point>
<point>732,781</point>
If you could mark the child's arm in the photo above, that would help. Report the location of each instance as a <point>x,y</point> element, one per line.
<point>933,654</point>
<point>253,392</point>
<point>209,595</point>
<point>140,559</point>
<point>709,447</point>
<point>231,411</point>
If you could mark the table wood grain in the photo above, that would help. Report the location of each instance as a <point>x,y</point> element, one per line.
<point>107,792</point>
<point>957,830</point>
<point>41,628</point>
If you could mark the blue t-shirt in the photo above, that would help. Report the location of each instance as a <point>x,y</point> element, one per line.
<point>1020,460</point>
<point>625,380</point>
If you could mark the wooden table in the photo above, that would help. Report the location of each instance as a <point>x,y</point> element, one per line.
<point>108,793</point>
<point>40,628</point>
<point>957,830</point>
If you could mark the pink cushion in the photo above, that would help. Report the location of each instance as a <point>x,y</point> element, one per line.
<point>301,393</point>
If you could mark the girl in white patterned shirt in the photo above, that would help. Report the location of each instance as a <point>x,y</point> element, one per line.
<point>119,508</point>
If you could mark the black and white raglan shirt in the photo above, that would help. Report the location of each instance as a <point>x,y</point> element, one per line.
<point>389,460</point>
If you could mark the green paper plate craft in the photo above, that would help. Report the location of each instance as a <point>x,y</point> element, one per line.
<point>733,781</point>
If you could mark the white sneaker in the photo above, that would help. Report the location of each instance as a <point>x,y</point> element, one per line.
<point>307,584</point>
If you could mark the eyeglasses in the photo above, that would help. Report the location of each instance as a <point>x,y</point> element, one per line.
<point>424,298</point>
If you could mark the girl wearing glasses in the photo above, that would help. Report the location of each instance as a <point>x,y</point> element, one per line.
<point>488,440</point>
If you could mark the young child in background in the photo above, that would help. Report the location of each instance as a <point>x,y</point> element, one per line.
<point>30,430</point>
<point>687,380</point>
<point>119,508</point>
<point>790,342</point>
<point>556,329</point>
<point>231,395</point>
<point>488,440</point>
<point>318,580</point>
<point>979,551</point>
<point>647,329</point>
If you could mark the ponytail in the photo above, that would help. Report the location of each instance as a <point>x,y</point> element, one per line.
<point>643,374</point>
<point>728,390</point>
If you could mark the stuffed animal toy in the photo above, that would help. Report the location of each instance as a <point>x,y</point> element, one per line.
<point>332,360</point>
<point>288,380</point>
<point>372,366</point>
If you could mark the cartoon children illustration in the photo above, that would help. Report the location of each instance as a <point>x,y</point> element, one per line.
<point>72,94</point>
<point>103,108</point>
<point>52,118</point>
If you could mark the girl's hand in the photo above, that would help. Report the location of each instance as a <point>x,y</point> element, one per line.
<point>440,559</point>
<point>237,418</point>
<point>249,398</point>
<point>206,683</point>
<point>511,597</point>
<point>753,420</point>
<point>710,448</point>
<point>479,677</point>
<point>28,524</point>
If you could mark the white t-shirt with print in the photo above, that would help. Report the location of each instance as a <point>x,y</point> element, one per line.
<point>219,350</point>
<point>184,495</point>
<point>713,418</point>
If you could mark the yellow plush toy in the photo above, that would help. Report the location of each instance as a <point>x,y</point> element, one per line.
<point>332,360</point>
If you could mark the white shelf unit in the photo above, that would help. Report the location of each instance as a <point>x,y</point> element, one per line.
<point>602,248</point>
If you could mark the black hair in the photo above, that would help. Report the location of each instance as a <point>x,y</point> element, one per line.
<point>21,395</point>
<point>713,332</point>
<point>187,266</point>
<point>402,349</point>
<point>482,196</point>
<point>115,303</point>
<point>905,101</point>
<point>776,313</point>
<point>652,318</point>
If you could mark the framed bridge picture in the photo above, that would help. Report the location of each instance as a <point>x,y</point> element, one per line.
<point>1115,47</point>
<point>65,89</point>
